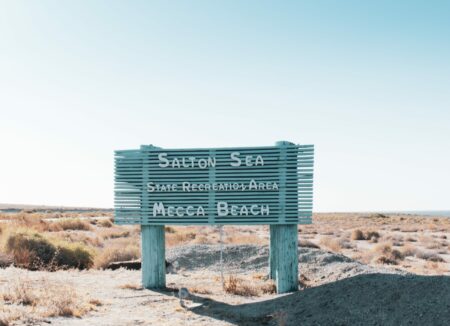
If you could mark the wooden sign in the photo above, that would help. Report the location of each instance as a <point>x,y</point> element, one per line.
<point>243,185</point>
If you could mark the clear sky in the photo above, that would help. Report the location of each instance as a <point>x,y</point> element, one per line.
<point>367,82</point>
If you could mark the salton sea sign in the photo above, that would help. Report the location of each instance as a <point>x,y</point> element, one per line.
<point>241,185</point>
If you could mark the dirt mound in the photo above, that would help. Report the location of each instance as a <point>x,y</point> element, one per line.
<point>372,299</point>
<point>318,266</point>
<point>235,258</point>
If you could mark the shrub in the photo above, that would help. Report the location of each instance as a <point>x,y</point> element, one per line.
<point>430,256</point>
<point>387,255</point>
<point>372,236</point>
<point>30,250</point>
<point>169,229</point>
<point>308,244</point>
<point>335,245</point>
<point>75,224</point>
<point>120,251</point>
<point>73,255</point>
<point>368,235</point>
<point>409,250</point>
<point>33,251</point>
<point>114,234</point>
<point>357,235</point>
<point>237,286</point>
<point>106,223</point>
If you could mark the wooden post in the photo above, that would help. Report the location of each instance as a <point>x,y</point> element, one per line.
<point>283,259</point>
<point>153,251</point>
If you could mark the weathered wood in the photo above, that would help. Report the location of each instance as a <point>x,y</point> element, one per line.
<point>153,250</point>
<point>284,257</point>
<point>148,185</point>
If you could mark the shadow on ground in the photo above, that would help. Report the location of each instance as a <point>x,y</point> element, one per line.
<point>370,299</point>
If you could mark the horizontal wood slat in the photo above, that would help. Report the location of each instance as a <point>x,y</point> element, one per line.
<point>194,185</point>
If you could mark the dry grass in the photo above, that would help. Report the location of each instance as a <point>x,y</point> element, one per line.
<point>248,288</point>
<point>75,224</point>
<point>307,244</point>
<point>237,286</point>
<point>200,290</point>
<point>30,301</point>
<point>87,239</point>
<point>129,286</point>
<point>429,256</point>
<point>335,245</point>
<point>114,233</point>
<point>105,223</point>
<point>122,250</point>
<point>245,239</point>
<point>384,254</point>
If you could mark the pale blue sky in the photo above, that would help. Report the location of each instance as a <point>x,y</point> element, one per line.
<point>367,82</point>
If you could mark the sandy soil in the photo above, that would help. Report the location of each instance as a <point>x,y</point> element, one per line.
<point>340,291</point>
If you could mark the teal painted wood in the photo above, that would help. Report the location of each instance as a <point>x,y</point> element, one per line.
<point>284,257</point>
<point>288,166</point>
<point>272,254</point>
<point>153,256</point>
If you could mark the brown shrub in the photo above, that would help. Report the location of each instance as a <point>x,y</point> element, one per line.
<point>237,286</point>
<point>93,241</point>
<point>269,287</point>
<point>409,250</point>
<point>129,286</point>
<point>335,245</point>
<point>117,251</point>
<point>105,223</point>
<point>430,256</point>
<point>372,236</point>
<point>75,224</point>
<point>357,235</point>
<point>368,235</point>
<point>46,299</point>
<point>169,229</point>
<point>114,234</point>
<point>244,239</point>
<point>181,236</point>
<point>308,244</point>
<point>386,255</point>
<point>386,260</point>
<point>200,290</point>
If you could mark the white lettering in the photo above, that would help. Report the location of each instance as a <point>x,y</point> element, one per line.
<point>252,209</point>
<point>158,208</point>
<point>222,208</point>
<point>236,159</point>
<point>163,161</point>
<point>259,161</point>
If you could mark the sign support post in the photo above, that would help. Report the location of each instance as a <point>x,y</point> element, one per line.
<point>153,256</point>
<point>283,259</point>
<point>153,243</point>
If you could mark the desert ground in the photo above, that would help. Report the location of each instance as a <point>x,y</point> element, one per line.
<point>355,268</point>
